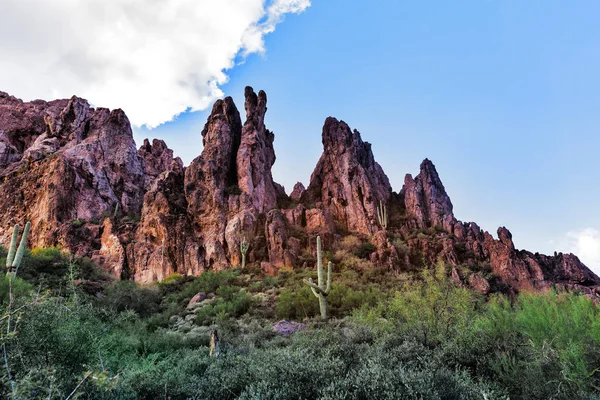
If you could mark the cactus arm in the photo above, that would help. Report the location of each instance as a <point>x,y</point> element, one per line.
<point>329,268</point>
<point>319,262</point>
<point>13,247</point>
<point>22,246</point>
<point>317,291</point>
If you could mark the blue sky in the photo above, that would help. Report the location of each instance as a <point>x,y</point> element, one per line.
<point>503,97</point>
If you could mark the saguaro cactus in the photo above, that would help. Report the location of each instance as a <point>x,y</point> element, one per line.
<point>244,249</point>
<point>15,256</point>
<point>320,291</point>
<point>382,215</point>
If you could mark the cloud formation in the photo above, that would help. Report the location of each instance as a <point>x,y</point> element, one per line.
<point>154,59</point>
<point>586,245</point>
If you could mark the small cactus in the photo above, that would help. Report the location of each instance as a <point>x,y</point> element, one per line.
<point>320,291</point>
<point>244,249</point>
<point>382,215</point>
<point>15,256</point>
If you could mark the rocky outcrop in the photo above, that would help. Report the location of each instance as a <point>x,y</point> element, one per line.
<point>211,180</point>
<point>111,254</point>
<point>298,191</point>
<point>425,197</point>
<point>256,155</point>
<point>65,162</point>
<point>164,240</point>
<point>75,173</point>
<point>347,182</point>
<point>229,187</point>
<point>155,158</point>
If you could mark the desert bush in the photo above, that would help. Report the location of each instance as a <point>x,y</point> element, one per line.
<point>429,339</point>
<point>231,302</point>
<point>21,289</point>
<point>544,345</point>
<point>127,295</point>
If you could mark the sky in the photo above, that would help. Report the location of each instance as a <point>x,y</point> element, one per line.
<point>503,96</point>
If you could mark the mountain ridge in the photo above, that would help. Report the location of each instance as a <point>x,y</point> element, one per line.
<point>69,167</point>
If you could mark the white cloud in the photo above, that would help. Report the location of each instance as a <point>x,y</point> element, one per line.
<point>586,245</point>
<point>152,58</point>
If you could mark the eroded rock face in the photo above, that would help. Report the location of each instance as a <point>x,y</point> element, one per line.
<point>155,158</point>
<point>229,187</point>
<point>67,167</point>
<point>425,197</point>
<point>211,179</point>
<point>164,241</point>
<point>64,161</point>
<point>111,254</point>
<point>298,191</point>
<point>256,155</point>
<point>347,182</point>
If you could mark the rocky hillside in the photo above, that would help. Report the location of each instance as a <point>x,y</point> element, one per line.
<point>75,173</point>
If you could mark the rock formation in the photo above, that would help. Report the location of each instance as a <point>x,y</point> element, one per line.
<point>429,210</point>
<point>229,187</point>
<point>347,181</point>
<point>64,162</point>
<point>75,173</point>
<point>425,198</point>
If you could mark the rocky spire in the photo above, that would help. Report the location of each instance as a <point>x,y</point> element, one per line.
<point>256,155</point>
<point>298,191</point>
<point>156,158</point>
<point>230,184</point>
<point>425,197</point>
<point>347,181</point>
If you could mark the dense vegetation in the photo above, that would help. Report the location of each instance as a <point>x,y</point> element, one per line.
<point>418,336</point>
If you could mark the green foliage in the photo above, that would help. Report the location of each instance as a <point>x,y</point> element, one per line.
<point>538,346</point>
<point>180,290</point>
<point>434,308</point>
<point>21,289</point>
<point>127,295</point>
<point>299,303</point>
<point>231,302</point>
<point>550,338</point>
<point>423,338</point>
<point>364,250</point>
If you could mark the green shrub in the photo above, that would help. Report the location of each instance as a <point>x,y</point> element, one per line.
<point>435,309</point>
<point>231,302</point>
<point>20,289</point>
<point>127,295</point>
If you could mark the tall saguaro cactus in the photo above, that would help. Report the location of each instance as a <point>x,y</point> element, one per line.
<point>320,291</point>
<point>15,256</point>
<point>382,215</point>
